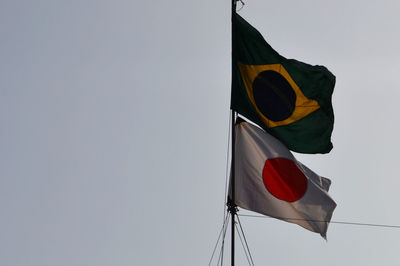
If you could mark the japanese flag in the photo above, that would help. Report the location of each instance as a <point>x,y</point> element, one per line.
<point>270,181</point>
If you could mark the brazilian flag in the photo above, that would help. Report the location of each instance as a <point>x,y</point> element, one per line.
<point>291,100</point>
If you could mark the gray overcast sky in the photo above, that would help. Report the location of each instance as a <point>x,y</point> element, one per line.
<point>114,130</point>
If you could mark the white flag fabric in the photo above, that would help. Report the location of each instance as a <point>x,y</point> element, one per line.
<point>270,181</point>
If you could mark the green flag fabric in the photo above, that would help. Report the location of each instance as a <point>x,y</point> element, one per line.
<point>289,99</point>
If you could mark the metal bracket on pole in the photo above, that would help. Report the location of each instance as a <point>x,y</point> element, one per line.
<point>233,209</point>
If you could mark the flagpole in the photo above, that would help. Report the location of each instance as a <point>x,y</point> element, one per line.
<point>232,206</point>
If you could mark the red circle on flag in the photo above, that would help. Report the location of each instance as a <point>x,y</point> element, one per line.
<point>284,179</point>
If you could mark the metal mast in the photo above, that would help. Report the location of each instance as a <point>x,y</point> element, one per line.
<point>231,206</point>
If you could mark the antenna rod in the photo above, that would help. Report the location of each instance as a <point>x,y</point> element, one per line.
<point>232,206</point>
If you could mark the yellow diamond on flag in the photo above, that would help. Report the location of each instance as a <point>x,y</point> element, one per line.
<point>275,96</point>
